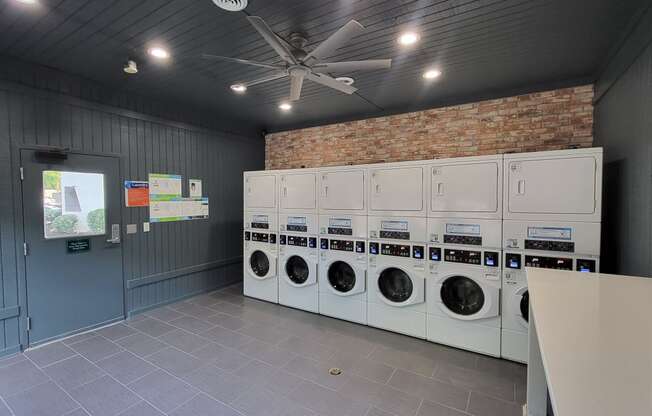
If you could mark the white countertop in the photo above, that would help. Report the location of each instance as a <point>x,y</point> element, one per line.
<point>595,337</point>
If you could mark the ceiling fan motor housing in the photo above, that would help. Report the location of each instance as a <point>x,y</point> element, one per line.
<point>231,5</point>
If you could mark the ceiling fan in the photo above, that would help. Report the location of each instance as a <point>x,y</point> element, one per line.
<point>299,65</point>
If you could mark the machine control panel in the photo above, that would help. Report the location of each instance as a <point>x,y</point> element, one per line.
<point>297,224</point>
<point>282,239</point>
<point>260,222</point>
<point>394,230</point>
<point>374,248</point>
<point>466,240</point>
<point>434,253</point>
<point>513,261</point>
<point>397,250</point>
<point>491,259</point>
<point>395,235</point>
<point>463,256</point>
<point>262,237</point>
<point>586,265</point>
<point>247,236</point>
<point>557,263</point>
<point>341,245</point>
<point>562,246</point>
<point>294,240</point>
<point>418,252</point>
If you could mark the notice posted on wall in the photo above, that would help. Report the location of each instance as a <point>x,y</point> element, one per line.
<point>194,188</point>
<point>180,209</point>
<point>163,187</point>
<point>136,194</point>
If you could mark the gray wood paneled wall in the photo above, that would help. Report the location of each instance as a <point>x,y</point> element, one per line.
<point>175,259</point>
<point>623,126</point>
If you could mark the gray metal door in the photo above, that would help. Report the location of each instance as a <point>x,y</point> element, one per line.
<point>71,215</point>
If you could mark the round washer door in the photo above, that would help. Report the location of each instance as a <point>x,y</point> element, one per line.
<point>461,295</point>
<point>524,306</point>
<point>341,277</point>
<point>395,285</point>
<point>297,270</point>
<point>259,263</point>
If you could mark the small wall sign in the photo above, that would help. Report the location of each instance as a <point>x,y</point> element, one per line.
<point>78,245</point>
<point>136,194</point>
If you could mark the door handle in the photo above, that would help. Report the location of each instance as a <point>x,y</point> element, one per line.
<point>115,240</point>
<point>521,187</point>
<point>440,188</point>
<point>115,234</point>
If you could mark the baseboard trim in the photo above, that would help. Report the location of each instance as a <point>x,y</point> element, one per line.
<point>159,277</point>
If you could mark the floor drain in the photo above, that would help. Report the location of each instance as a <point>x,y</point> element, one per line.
<point>334,371</point>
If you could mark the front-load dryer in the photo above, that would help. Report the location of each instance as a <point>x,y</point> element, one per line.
<point>398,189</point>
<point>397,284</point>
<point>298,259</point>
<point>260,265</point>
<point>463,293</point>
<point>343,279</point>
<point>260,191</point>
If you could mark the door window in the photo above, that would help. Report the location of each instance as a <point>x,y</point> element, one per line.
<point>73,204</point>
<point>395,285</point>
<point>525,306</point>
<point>297,269</point>
<point>341,276</point>
<point>462,295</point>
<point>259,263</point>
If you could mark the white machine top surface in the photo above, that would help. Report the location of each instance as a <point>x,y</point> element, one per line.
<point>595,337</point>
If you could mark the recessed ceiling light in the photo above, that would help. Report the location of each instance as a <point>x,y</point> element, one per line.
<point>30,2</point>
<point>158,52</point>
<point>239,88</point>
<point>432,74</point>
<point>346,80</point>
<point>285,106</point>
<point>408,38</point>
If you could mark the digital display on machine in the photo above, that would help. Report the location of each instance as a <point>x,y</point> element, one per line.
<point>323,243</point>
<point>557,263</point>
<point>491,259</point>
<point>463,256</point>
<point>260,221</point>
<point>513,261</point>
<point>468,229</point>
<point>465,240</point>
<point>417,252</point>
<point>340,226</point>
<point>552,233</point>
<point>359,247</point>
<point>397,250</point>
<point>435,254</point>
<point>396,230</point>
<point>312,242</point>
<point>586,266</point>
<point>373,248</point>
<point>297,224</point>
<point>546,245</point>
<point>341,245</point>
<point>282,239</point>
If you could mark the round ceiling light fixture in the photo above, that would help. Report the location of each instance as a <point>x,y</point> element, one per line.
<point>432,74</point>
<point>158,52</point>
<point>346,80</point>
<point>130,67</point>
<point>408,38</point>
<point>239,88</point>
<point>28,2</point>
<point>231,5</point>
<point>285,106</point>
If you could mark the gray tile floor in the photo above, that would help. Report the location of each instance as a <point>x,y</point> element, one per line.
<point>224,354</point>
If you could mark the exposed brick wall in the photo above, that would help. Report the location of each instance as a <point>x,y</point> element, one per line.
<point>540,121</point>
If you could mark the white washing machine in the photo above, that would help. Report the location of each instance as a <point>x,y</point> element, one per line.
<point>562,185</point>
<point>398,189</point>
<point>544,244</point>
<point>298,259</point>
<point>260,265</point>
<point>466,187</point>
<point>343,279</point>
<point>397,284</point>
<point>464,285</point>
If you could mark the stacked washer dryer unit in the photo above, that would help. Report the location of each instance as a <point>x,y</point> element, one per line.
<point>397,243</point>
<point>343,241</point>
<point>298,234</point>
<point>464,232</point>
<point>260,236</point>
<point>552,213</point>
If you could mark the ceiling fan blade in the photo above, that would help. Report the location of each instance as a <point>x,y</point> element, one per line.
<point>267,78</point>
<point>351,66</point>
<point>272,38</point>
<point>296,83</point>
<point>331,82</point>
<point>241,61</point>
<point>328,47</point>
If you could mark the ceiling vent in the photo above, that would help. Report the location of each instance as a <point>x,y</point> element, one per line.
<point>231,5</point>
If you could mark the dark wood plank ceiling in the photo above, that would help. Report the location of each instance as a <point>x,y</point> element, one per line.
<point>483,47</point>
